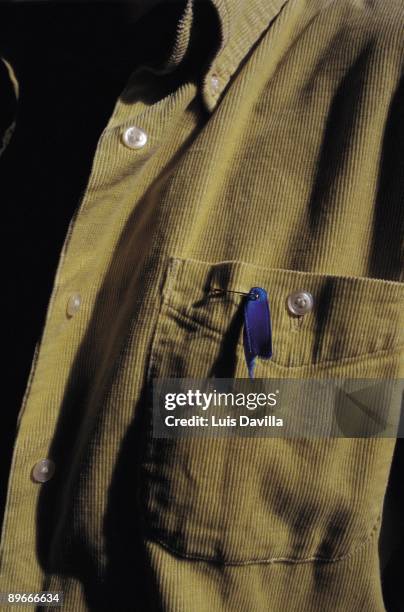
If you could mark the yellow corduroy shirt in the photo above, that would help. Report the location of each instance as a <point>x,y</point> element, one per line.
<point>278,167</point>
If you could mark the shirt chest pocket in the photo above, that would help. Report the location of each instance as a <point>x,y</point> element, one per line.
<point>254,500</point>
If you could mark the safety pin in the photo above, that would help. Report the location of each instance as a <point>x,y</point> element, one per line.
<point>252,296</point>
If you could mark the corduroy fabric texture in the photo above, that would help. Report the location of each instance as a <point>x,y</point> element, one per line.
<point>279,167</point>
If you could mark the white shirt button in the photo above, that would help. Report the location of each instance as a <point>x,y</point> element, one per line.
<point>43,470</point>
<point>134,137</point>
<point>214,83</point>
<point>73,304</point>
<point>300,303</point>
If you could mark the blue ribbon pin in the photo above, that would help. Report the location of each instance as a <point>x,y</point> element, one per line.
<point>257,333</point>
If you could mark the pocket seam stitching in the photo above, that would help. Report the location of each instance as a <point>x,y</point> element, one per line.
<point>267,561</point>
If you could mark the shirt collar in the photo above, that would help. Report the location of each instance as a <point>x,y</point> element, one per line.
<point>241,23</point>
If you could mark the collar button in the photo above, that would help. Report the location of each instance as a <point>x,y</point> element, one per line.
<point>215,83</point>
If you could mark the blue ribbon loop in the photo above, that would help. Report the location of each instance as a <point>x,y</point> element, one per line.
<point>257,333</point>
